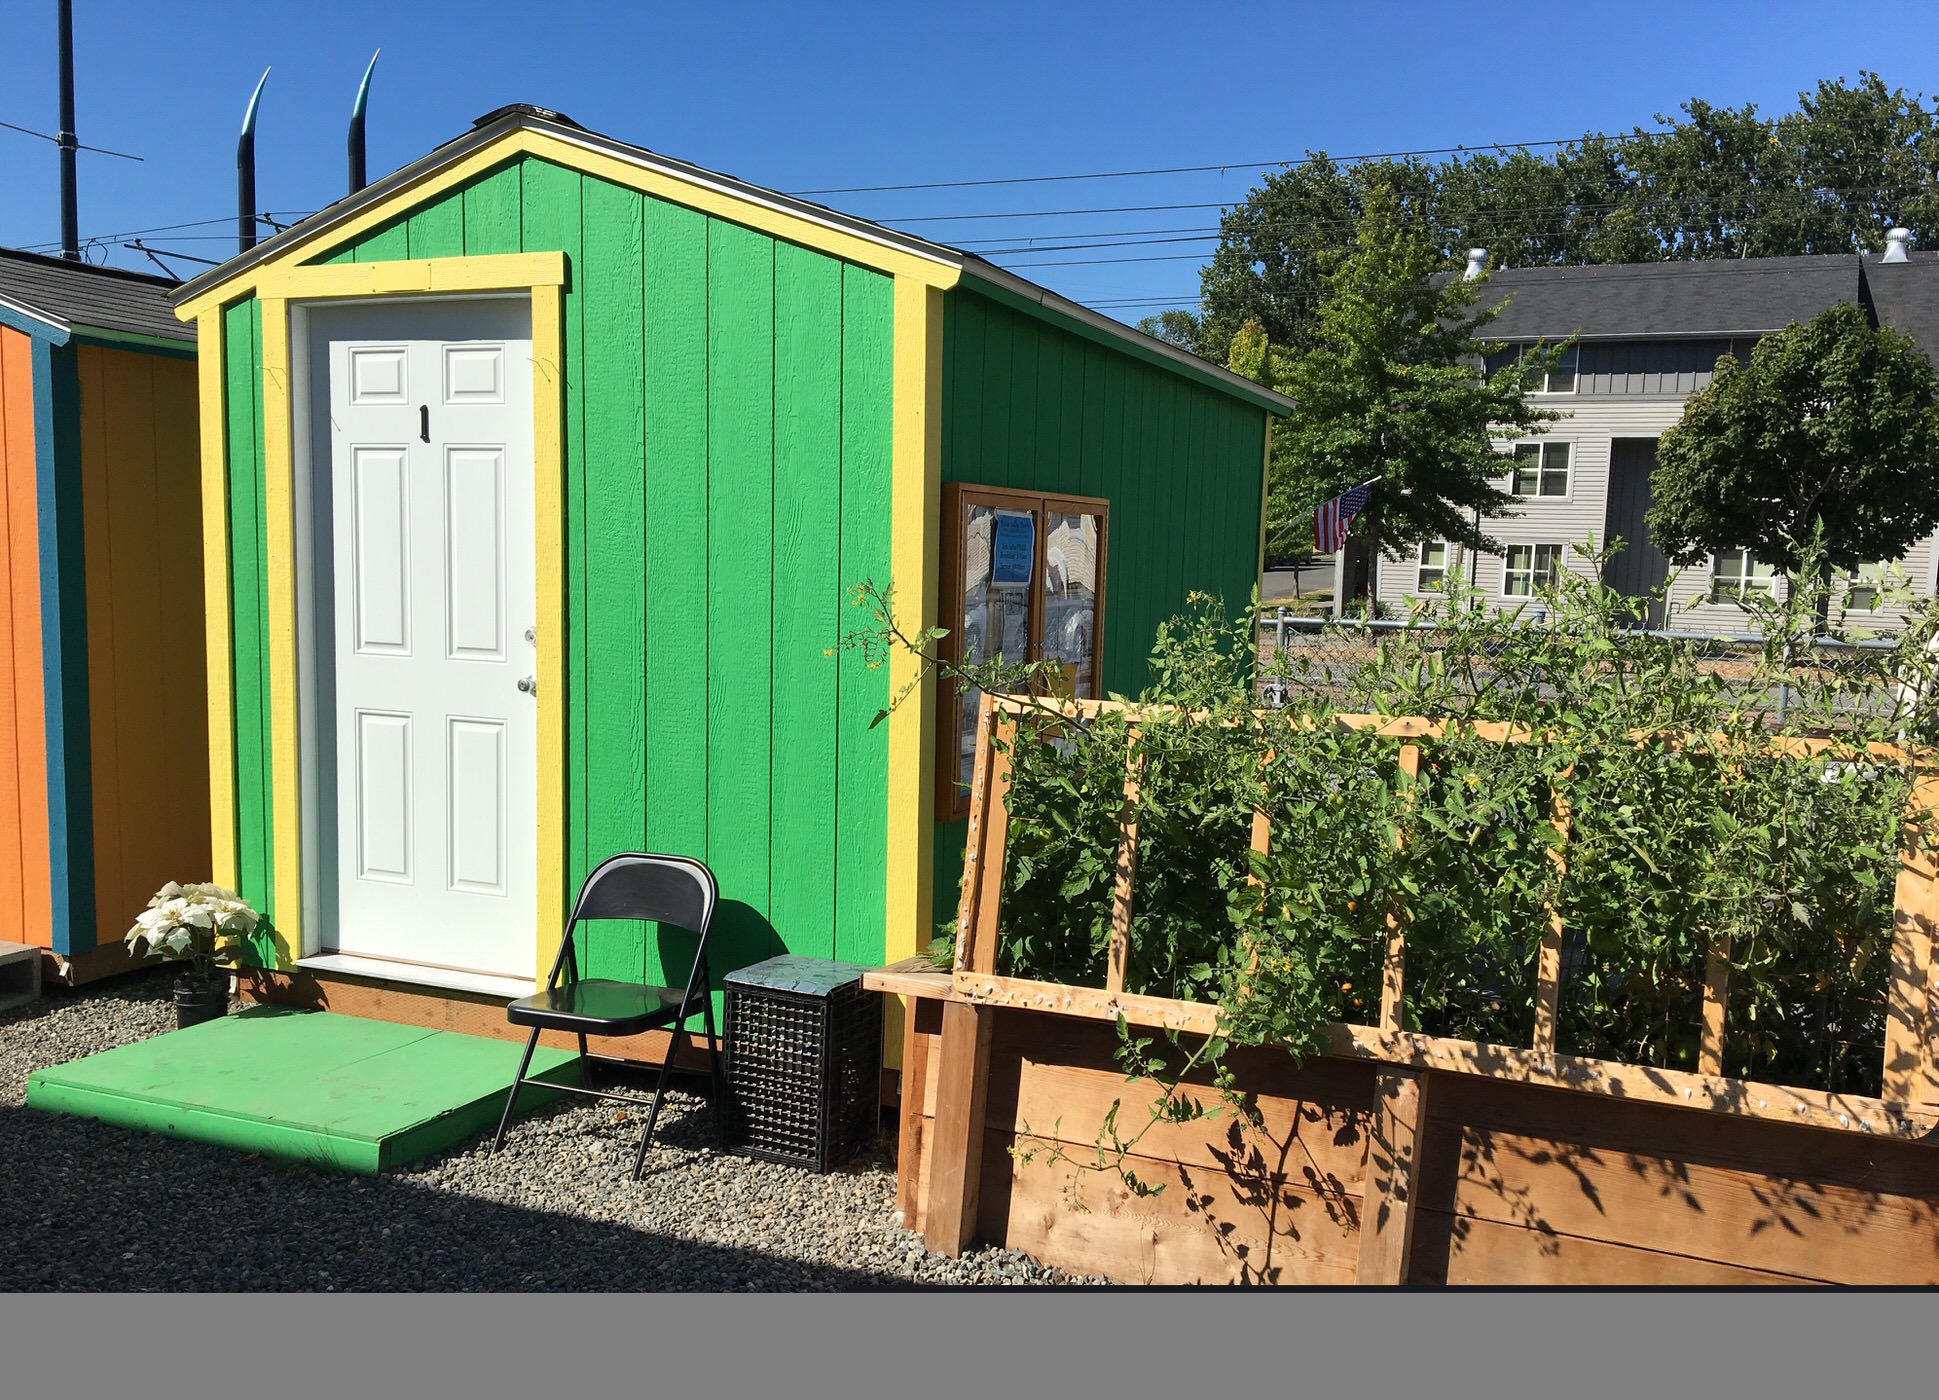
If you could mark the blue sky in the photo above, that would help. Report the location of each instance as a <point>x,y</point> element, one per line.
<point>806,97</point>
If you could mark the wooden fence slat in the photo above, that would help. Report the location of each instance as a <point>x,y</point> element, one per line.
<point>1910,1075</point>
<point>956,1153</point>
<point>1127,867</point>
<point>1548,960</point>
<point>1393,969</point>
<point>1716,998</point>
<point>915,1071</point>
<point>996,834</point>
<point>975,840</point>
<point>1390,1198</point>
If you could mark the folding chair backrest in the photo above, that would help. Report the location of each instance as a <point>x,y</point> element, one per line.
<point>663,889</point>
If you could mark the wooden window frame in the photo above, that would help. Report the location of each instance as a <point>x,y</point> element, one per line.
<point>952,802</point>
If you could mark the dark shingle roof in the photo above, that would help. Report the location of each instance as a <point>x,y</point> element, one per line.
<point>83,295</point>
<point>1724,297</point>
<point>1905,296</point>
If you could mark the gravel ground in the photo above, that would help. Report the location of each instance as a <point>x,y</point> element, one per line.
<point>88,1207</point>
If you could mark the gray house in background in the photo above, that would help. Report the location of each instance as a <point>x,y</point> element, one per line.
<point>1649,336</point>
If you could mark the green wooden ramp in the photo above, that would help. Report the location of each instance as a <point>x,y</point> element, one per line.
<point>308,1085</point>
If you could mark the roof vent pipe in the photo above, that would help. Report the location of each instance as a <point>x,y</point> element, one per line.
<point>1477,263</point>
<point>70,199</point>
<point>246,173</point>
<point>1897,241</point>
<point>357,180</point>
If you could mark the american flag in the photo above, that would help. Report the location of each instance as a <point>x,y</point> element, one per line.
<point>1331,520</point>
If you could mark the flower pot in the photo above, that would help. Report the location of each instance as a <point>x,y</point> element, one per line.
<point>196,1001</point>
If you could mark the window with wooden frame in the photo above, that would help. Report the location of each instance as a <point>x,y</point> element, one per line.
<point>1023,578</point>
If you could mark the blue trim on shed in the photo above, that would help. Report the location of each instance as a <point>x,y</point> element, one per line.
<point>64,645</point>
<point>19,316</point>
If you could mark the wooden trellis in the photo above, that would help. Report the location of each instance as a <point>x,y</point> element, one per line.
<point>1909,1105</point>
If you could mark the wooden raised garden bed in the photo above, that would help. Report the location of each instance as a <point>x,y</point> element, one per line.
<point>1401,1157</point>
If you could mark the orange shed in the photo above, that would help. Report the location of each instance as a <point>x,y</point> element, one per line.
<point>104,788</point>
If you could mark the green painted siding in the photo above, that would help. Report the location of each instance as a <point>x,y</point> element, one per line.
<point>728,431</point>
<point>242,335</point>
<point>1032,406</point>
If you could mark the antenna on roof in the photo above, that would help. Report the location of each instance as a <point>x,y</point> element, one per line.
<point>246,173</point>
<point>1897,241</point>
<point>357,180</point>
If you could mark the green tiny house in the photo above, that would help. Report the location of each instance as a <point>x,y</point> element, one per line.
<point>738,406</point>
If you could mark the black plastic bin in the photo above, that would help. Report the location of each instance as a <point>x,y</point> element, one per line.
<point>804,1060</point>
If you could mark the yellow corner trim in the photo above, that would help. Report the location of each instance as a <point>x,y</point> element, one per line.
<point>279,502</point>
<point>917,477</point>
<point>769,219</point>
<point>212,381</point>
<point>495,272</point>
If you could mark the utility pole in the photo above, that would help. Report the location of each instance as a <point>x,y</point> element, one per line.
<point>68,142</point>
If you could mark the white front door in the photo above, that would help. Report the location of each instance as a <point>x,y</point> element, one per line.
<point>430,599</point>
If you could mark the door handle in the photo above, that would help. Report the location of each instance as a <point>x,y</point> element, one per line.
<point>529,684</point>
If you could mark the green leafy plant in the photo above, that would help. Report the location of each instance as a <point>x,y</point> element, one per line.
<point>1666,804</point>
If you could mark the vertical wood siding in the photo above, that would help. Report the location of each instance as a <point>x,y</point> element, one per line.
<point>248,574</point>
<point>142,547</point>
<point>728,429</point>
<point>26,888</point>
<point>1029,406</point>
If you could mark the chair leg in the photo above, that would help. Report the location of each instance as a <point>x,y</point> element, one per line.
<point>518,1082</point>
<point>720,1080</point>
<point>659,1096</point>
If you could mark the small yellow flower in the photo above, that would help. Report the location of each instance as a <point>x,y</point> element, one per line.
<point>1346,986</point>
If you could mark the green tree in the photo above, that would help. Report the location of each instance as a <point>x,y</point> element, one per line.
<point>1833,426</point>
<point>1713,182</point>
<point>1393,386</point>
<point>1175,327</point>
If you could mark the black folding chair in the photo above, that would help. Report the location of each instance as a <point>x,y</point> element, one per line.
<point>664,889</point>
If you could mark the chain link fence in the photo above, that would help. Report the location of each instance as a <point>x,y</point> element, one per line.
<point>1325,656</point>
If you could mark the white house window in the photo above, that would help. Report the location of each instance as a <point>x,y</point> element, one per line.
<point>1863,587</point>
<point>1561,379</point>
<point>1434,565</point>
<point>1733,574</point>
<point>1541,469</point>
<point>1530,569</point>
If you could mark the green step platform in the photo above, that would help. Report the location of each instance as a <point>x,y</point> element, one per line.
<point>313,1086</point>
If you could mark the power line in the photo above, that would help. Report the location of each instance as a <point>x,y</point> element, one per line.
<point>1223,166</point>
<point>98,150</point>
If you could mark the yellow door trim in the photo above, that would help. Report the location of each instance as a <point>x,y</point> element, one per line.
<point>279,510</point>
<point>548,465</point>
<point>212,382</point>
<point>484,273</point>
<point>549,506</point>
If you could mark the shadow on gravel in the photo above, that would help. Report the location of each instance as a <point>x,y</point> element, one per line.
<point>92,1208</point>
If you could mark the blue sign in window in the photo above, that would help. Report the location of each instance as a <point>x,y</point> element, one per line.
<point>1014,550</point>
